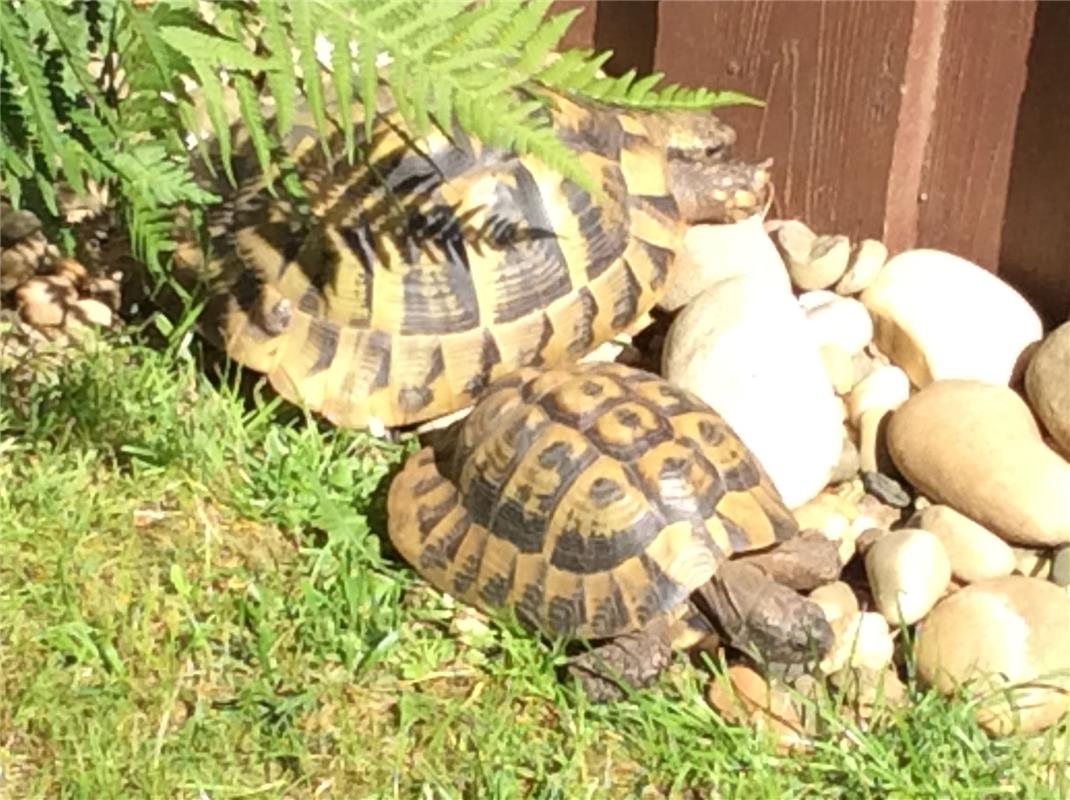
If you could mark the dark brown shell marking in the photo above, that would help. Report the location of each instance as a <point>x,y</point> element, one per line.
<point>408,285</point>
<point>590,500</point>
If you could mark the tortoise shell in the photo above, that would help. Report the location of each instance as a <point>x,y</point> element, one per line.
<point>415,277</point>
<point>590,500</point>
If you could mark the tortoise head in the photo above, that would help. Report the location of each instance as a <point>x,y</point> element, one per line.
<point>708,185</point>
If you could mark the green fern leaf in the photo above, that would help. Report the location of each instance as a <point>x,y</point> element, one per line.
<point>71,40</point>
<point>310,69</point>
<point>281,79</point>
<point>217,51</point>
<point>36,104</point>
<point>574,69</point>
<point>369,82</point>
<point>248,101</point>
<point>342,80</point>
<point>542,41</point>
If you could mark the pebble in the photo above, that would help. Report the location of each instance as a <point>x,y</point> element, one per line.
<point>93,312</point>
<point>870,691</point>
<point>867,260</point>
<point>836,600</point>
<point>839,367</point>
<point>793,240</point>
<point>745,697</point>
<point>713,253</point>
<point>863,365</point>
<point>873,508</point>
<point>976,554</point>
<point>940,316</point>
<point>43,301</point>
<point>908,571</point>
<point>742,347</point>
<point>862,639</point>
<point>887,490</point>
<point>873,442</point>
<point>841,322</point>
<point>1047,384</point>
<point>106,290</point>
<point>975,447</point>
<point>847,467</point>
<point>823,266</point>
<point>1031,562</point>
<point>869,537</point>
<point>827,513</point>
<point>71,269</point>
<point>1060,566</point>
<point>1007,639</point>
<point>886,387</point>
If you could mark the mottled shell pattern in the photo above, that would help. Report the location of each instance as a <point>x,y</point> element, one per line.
<point>590,500</point>
<point>415,278</point>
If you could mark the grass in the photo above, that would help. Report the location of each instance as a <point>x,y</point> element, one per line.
<point>197,601</point>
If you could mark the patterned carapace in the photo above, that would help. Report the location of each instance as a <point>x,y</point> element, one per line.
<point>590,500</point>
<point>417,275</point>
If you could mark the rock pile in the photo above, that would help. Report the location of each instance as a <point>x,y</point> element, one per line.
<point>884,400</point>
<point>48,300</point>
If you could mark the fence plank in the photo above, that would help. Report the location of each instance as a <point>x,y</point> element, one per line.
<point>967,167</point>
<point>1035,254</point>
<point>830,74</point>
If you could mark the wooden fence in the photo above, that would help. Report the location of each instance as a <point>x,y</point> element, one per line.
<point>926,123</point>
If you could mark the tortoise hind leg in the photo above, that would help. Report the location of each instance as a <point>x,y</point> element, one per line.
<point>765,619</point>
<point>630,661</point>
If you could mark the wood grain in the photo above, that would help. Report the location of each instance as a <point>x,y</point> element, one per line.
<point>581,32</point>
<point>967,166</point>
<point>830,74</point>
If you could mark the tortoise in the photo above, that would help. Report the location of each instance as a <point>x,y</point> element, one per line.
<point>602,502</point>
<point>414,278</point>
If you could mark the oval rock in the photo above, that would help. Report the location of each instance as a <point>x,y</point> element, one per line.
<point>1008,640</point>
<point>975,447</point>
<point>940,316</point>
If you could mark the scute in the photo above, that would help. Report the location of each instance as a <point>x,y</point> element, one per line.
<point>470,255</point>
<point>588,524</point>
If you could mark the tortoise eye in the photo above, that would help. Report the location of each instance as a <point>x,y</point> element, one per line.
<point>713,149</point>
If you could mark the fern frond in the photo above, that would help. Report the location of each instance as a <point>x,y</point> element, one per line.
<point>248,100</point>
<point>579,71</point>
<point>281,80</point>
<point>342,80</point>
<point>119,90</point>
<point>305,36</point>
<point>74,43</point>
<point>36,103</point>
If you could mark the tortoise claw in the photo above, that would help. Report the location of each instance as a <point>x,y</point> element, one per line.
<point>633,660</point>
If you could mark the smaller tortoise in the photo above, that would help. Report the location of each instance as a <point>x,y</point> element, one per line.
<point>601,502</point>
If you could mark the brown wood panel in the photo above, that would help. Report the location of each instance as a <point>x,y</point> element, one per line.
<point>981,76</point>
<point>830,73</point>
<point>921,79</point>
<point>627,27</point>
<point>1035,253</point>
<point>581,32</point>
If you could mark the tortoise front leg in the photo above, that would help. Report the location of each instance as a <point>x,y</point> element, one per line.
<point>765,619</point>
<point>632,660</point>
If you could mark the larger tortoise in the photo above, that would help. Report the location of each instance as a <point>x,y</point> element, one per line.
<point>602,502</point>
<point>416,277</point>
